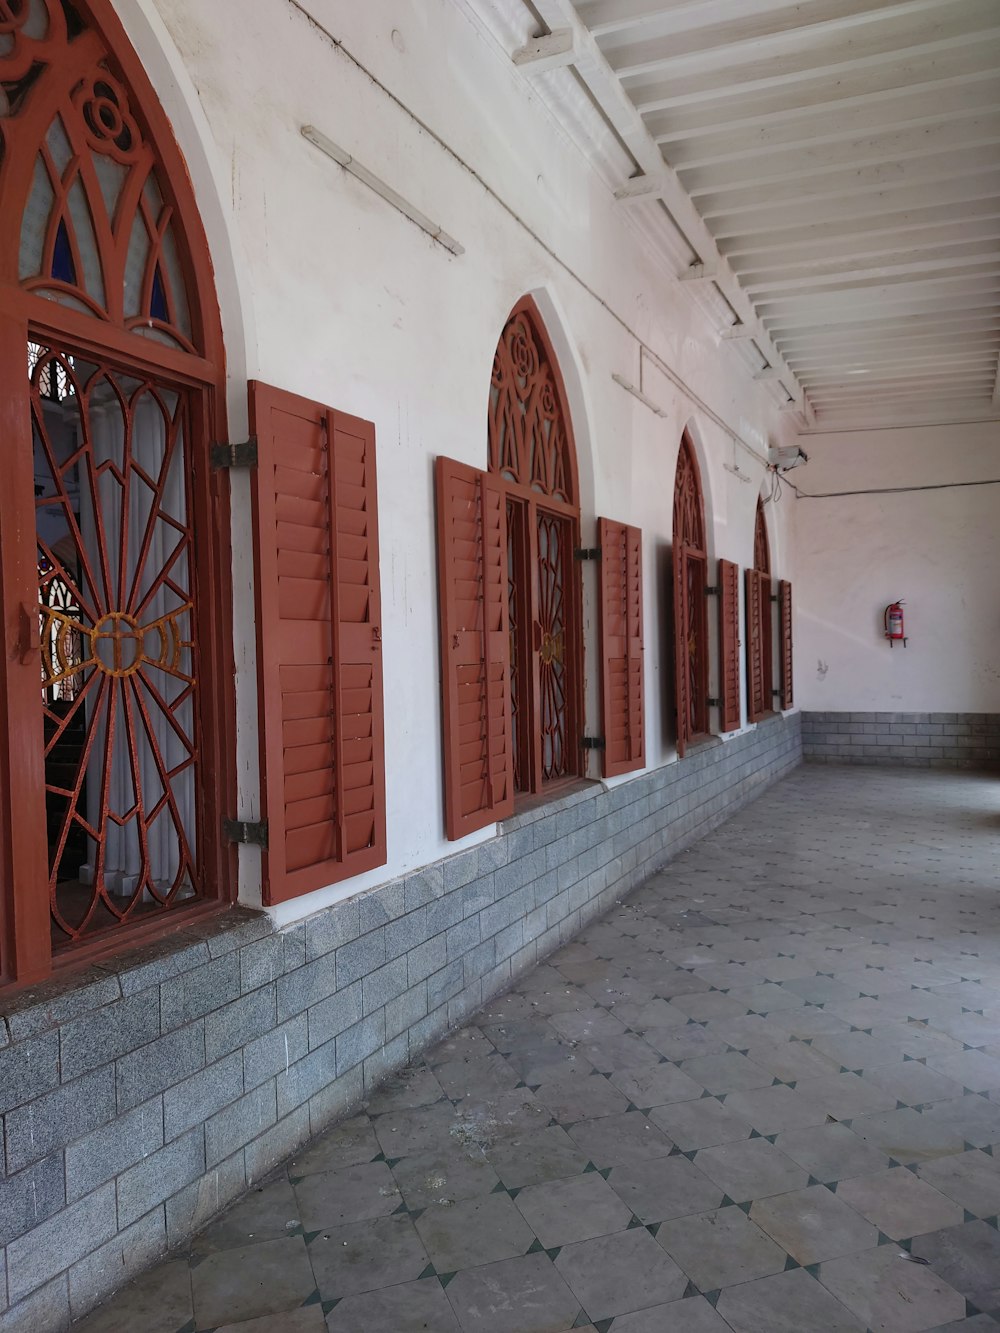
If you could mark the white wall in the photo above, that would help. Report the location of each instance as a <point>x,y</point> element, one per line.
<point>939,550</point>
<point>341,299</point>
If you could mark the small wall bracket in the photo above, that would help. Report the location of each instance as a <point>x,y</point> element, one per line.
<point>248,832</point>
<point>587,553</point>
<point>593,743</point>
<point>243,454</point>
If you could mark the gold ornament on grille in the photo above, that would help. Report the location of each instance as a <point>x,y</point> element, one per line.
<point>552,648</point>
<point>63,654</point>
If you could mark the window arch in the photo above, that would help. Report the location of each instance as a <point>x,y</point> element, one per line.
<point>111,351</point>
<point>760,655</point>
<point>690,559</point>
<point>531,452</point>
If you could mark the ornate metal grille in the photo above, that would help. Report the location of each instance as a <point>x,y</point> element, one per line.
<point>98,233</point>
<point>531,449</point>
<point>116,604</point>
<point>690,611</point>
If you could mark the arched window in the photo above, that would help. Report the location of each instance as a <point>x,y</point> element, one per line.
<point>531,452</point>
<point>111,357</point>
<point>758,597</point>
<point>690,558</point>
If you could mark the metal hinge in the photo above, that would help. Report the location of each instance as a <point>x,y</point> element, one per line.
<point>776,694</point>
<point>250,832</point>
<point>714,703</point>
<point>774,599</point>
<point>711,590</point>
<point>593,743</point>
<point>587,553</point>
<point>234,455</point>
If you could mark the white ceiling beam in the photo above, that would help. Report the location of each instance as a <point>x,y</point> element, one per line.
<point>938,77</point>
<point>675,90</point>
<point>596,74</point>
<point>940,220</point>
<point>875,207</point>
<point>931,268</point>
<point>795,188</point>
<point>883,298</point>
<point>848,317</point>
<point>982,387</point>
<point>876,158</point>
<point>812,372</point>
<point>825,256</point>
<point>555,50</point>
<point>777,36</point>
<point>978,369</point>
<point>739,332</point>
<point>958,323</point>
<point>607,16</point>
<point>699,273</point>
<point>937,394</point>
<point>836,143</point>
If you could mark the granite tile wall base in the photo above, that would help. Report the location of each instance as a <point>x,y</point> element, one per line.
<point>142,1096</point>
<point>918,740</point>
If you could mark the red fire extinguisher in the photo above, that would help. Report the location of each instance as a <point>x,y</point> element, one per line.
<point>892,618</point>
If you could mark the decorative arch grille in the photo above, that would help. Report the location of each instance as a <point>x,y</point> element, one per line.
<point>104,268</point>
<point>97,223</point>
<point>531,451</point>
<point>690,558</point>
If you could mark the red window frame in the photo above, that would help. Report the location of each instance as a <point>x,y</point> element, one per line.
<point>690,562</point>
<point>26,953</point>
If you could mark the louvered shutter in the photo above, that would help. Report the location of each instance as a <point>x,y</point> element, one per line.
<point>621,647</point>
<point>756,591</point>
<point>475,648</point>
<point>318,643</point>
<point>729,644</point>
<point>785,629</point>
<point>682,681</point>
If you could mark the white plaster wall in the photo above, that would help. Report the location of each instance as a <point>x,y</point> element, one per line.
<point>939,550</point>
<point>340,298</point>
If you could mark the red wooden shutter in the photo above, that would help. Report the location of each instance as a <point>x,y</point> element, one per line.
<point>475,648</point>
<point>756,590</point>
<point>621,647</point>
<point>729,644</point>
<point>785,624</point>
<point>682,681</point>
<point>318,643</point>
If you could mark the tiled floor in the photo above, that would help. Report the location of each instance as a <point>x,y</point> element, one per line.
<point>762,1095</point>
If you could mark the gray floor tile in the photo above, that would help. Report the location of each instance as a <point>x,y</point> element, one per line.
<point>845,1096</point>
<point>665,1187</point>
<point>814,1224</point>
<point>972,1069</point>
<point>693,1315</point>
<point>971,1178</point>
<point>263,1279</point>
<point>655,1085</point>
<point>751,1169</point>
<point>887,1292</point>
<point>700,1124</point>
<point>721,1248</point>
<point>727,1073</point>
<point>616,1140</point>
<point>561,1212</point>
<point>493,1120</point>
<point>406,1133</point>
<point>525,1295</point>
<point>770,1110</point>
<point>347,1144</point>
<point>452,1172</point>
<point>415,1086</point>
<point>308,1320</point>
<point>543,1154</point>
<point>786,1303</point>
<point>617,1274</point>
<point>475,1231</point>
<point>900,1204</point>
<point>587,1097</point>
<point>831,1152</point>
<point>366,1256</point>
<point>914,1083</point>
<point>158,1302</point>
<point>968,1259</point>
<point>411,1307</point>
<point>478,1077</point>
<point>268,1212</point>
<point>352,1195</point>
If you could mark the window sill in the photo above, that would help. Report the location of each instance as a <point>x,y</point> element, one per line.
<point>532,807</point>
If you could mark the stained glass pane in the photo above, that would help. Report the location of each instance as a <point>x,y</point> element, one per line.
<point>34,222</point>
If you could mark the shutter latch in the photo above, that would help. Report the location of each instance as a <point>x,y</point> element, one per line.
<point>234,455</point>
<point>250,832</point>
<point>587,553</point>
<point>593,743</point>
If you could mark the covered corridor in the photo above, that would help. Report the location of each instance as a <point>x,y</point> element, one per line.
<point>760,1094</point>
